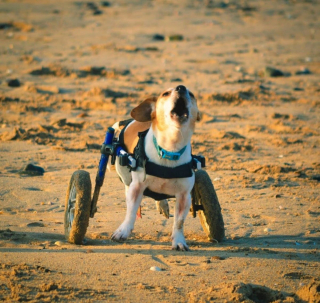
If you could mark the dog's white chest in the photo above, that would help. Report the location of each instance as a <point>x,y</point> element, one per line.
<point>170,187</point>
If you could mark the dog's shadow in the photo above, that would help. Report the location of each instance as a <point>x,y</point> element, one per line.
<point>268,247</point>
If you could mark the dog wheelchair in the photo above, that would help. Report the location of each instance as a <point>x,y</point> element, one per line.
<point>80,206</point>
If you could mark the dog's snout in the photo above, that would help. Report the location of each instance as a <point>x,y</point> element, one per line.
<point>181,89</point>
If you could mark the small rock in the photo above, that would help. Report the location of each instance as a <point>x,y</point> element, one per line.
<point>158,37</point>
<point>4,25</point>
<point>273,72</point>
<point>60,122</point>
<point>315,177</point>
<point>267,230</point>
<point>35,224</point>
<point>303,71</point>
<point>280,116</point>
<point>97,12</point>
<point>217,258</point>
<point>155,268</point>
<point>174,38</point>
<point>32,170</point>
<point>105,3</point>
<point>92,6</point>
<point>13,82</point>
<point>83,115</point>
<point>58,243</point>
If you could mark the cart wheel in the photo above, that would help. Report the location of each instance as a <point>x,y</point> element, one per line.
<point>211,218</point>
<point>77,207</point>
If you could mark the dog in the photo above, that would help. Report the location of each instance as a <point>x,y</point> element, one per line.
<point>169,122</point>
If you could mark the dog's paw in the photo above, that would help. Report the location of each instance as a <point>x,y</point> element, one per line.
<point>163,208</point>
<point>181,247</point>
<point>179,242</point>
<point>121,234</point>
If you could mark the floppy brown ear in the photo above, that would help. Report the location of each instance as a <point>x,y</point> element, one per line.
<point>142,112</point>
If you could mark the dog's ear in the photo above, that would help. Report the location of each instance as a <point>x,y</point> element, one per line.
<point>199,116</point>
<point>142,112</point>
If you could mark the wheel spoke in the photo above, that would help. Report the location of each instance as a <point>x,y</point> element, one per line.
<point>71,205</point>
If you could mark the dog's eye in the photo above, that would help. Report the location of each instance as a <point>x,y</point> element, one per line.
<point>166,94</point>
<point>191,94</point>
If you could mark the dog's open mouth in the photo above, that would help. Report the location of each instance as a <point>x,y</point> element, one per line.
<point>180,112</point>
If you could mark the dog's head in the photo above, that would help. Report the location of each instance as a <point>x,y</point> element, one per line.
<point>175,107</point>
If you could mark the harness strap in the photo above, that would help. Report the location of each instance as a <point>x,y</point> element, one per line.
<point>123,124</point>
<point>156,196</point>
<point>165,172</point>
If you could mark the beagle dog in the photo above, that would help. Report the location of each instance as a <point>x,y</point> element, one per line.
<point>168,123</point>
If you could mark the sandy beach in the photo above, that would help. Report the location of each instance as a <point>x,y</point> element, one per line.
<point>70,69</point>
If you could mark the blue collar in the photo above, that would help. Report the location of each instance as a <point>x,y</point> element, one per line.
<point>164,154</point>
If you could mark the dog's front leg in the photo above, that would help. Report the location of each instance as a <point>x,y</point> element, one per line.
<point>134,195</point>
<point>182,207</point>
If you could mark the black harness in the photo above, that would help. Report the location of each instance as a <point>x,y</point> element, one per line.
<point>153,169</point>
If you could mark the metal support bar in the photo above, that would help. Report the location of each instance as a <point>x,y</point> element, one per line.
<point>101,171</point>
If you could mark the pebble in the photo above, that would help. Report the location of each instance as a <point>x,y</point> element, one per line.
<point>92,6</point>
<point>217,258</point>
<point>32,170</point>
<point>273,72</point>
<point>303,71</point>
<point>35,224</point>
<point>5,25</point>
<point>174,38</point>
<point>105,3</point>
<point>83,115</point>
<point>13,82</point>
<point>155,268</point>
<point>266,230</point>
<point>158,37</point>
<point>58,243</point>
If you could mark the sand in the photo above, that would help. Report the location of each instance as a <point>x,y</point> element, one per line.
<point>70,69</point>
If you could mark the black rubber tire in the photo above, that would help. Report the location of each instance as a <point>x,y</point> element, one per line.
<point>79,190</point>
<point>211,217</point>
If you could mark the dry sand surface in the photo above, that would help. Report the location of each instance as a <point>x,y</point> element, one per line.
<point>76,67</point>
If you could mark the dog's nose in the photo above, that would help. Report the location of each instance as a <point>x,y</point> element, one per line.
<point>181,89</point>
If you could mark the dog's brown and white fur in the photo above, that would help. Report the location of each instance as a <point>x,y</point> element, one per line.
<point>171,119</point>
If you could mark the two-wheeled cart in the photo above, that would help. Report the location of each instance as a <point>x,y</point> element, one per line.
<point>80,206</point>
